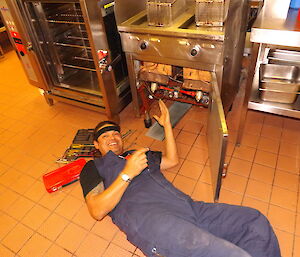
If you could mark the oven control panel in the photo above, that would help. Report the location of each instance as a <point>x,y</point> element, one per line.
<point>187,49</point>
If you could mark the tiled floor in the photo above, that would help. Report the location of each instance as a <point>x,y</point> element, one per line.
<point>263,173</point>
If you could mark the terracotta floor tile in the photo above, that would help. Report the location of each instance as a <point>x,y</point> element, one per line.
<point>288,164</point>
<point>191,169</point>
<point>55,251</point>
<point>51,201</point>
<point>273,120</point>
<point>36,191</point>
<point>92,246</point>
<point>158,146</point>
<point>35,217</point>
<point>53,226</point>
<point>114,250</point>
<point>296,252</point>
<point>77,191</point>
<point>6,252</point>
<point>250,140</point>
<point>193,127</point>
<point>20,207</point>
<point>105,229</point>
<point>8,200</point>
<point>297,231</point>
<point>17,237</point>
<point>169,175</point>
<point>258,190</point>
<point>288,149</point>
<point>285,242</point>
<point>183,150</point>
<point>121,240</point>
<point>271,132</point>
<point>22,184</point>
<point>230,197</point>
<point>9,177</point>
<point>239,167</point>
<point>284,198</point>
<point>282,219</point>
<point>144,140</point>
<point>71,237</point>
<point>253,128</point>
<point>265,158</point>
<point>25,165</point>
<point>230,149</point>
<point>206,175</point>
<point>184,184</point>
<point>244,152</point>
<point>186,138</point>
<point>68,207</point>
<point>291,135</point>
<point>203,192</point>
<point>198,155</point>
<point>201,142</point>
<point>255,116</point>
<point>286,180</point>
<point>235,183</point>
<point>268,145</point>
<point>139,253</point>
<point>6,224</point>
<point>256,204</point>
<point>262,173</point>
<point>35,246</point>
<point>83,218</point>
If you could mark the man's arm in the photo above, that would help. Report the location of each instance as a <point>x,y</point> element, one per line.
<point>170,158</point>
<point>100,202</point>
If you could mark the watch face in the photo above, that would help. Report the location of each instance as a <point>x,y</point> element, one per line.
<point>125,177</point>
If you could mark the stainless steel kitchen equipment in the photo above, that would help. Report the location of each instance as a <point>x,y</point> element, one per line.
<point>71,50</point>
<point>212,52</point>
<point>276,40</point>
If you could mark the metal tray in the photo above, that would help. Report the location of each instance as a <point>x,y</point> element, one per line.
<point>274,71</point>
<point>278,90</point>
<point>162,13</point>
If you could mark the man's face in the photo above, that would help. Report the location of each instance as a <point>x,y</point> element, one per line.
<point>109,141</point>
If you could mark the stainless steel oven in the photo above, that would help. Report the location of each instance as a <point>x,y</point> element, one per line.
<point>71,50</point>
<point>203,37</point>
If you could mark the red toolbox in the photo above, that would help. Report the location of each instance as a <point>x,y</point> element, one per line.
<point>63,176</point>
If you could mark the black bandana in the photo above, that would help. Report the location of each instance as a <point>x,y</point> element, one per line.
<point>105,129</point>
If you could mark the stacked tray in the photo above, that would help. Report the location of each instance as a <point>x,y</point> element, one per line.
<point>279,83</point>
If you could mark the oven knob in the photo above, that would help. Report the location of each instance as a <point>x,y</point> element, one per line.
<point>144,45</point>
<point>195,50</point>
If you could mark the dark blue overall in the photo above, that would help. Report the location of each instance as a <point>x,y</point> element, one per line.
<point>163,221</point>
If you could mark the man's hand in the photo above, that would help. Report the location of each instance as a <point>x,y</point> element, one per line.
<point>164,118</point>
<point>136,163</point>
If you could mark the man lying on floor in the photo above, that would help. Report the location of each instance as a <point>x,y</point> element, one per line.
<point>158,218</point>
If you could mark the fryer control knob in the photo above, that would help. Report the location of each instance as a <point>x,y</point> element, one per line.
<point>144,45</point>
<point>195,50</point>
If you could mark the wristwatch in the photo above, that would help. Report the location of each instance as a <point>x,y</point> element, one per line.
<point>126,178</point>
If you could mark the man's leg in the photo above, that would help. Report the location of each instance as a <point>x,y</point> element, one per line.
<point>242,226</point>
<point>171,236</point>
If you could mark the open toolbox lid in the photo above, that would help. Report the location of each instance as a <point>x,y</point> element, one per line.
<point>63,176</point>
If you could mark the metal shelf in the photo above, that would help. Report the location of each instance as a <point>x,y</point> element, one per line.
<point>289,110</point>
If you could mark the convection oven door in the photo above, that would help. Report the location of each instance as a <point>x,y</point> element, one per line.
<point>20,38</point>
<point>217,138</point>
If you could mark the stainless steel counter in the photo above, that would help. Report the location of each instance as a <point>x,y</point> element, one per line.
<point>277,31</point>
<point>276,27</point>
